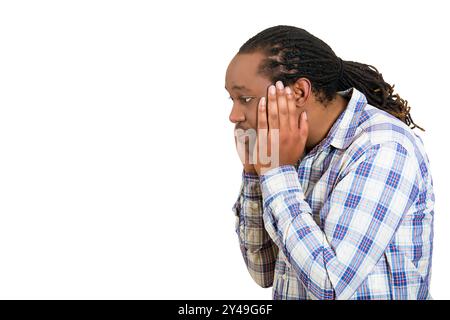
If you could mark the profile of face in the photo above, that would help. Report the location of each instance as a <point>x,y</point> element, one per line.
<point>246,87</point>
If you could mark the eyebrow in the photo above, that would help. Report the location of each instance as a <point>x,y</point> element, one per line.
<point>236,87</point>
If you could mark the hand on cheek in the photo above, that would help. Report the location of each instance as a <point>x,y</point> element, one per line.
<point>281,133</point>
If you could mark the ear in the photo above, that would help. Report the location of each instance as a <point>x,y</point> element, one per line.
<point>302,91</point>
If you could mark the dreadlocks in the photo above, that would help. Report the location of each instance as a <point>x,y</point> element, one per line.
<point>292,53</point>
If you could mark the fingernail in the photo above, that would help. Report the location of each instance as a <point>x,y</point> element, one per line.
<point>272,89</point>
<point>263,103</point>
<point>305,116</point>
<point>288,90</point>
<point>279,85</point>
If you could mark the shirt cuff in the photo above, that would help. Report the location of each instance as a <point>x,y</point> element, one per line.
<point>249,176</point>
<point>277,181</point>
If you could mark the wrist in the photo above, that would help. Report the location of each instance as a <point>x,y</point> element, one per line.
<point>250,170</point>
<point>250,176</point>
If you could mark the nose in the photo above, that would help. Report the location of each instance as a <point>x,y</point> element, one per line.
<point>236,114</point>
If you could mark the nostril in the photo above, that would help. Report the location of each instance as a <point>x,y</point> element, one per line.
<point>234,117</point>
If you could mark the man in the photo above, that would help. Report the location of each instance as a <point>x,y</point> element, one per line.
<point>346,210</point>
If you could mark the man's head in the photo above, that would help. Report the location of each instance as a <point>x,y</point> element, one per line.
<point>310,68</point>
<point>246,85</point>
<point>259,63</point>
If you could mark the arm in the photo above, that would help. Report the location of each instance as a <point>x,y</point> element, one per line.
<point>361,215</point>
<point>258,250</point>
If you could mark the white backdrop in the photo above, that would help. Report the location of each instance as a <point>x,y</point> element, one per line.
<point>118,169</point>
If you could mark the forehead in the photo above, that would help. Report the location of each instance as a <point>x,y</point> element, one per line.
<point>243,70</point>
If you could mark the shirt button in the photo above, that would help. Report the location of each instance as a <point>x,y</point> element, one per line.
<point>254,205</point>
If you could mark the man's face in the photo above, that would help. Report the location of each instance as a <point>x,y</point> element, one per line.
<point>246,88</point>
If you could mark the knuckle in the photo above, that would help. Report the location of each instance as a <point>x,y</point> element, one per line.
<point>284,111</point>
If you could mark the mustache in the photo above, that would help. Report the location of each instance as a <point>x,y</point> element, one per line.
<point>244,133</point>
<point>240,127</point>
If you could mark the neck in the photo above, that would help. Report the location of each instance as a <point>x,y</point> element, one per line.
<point>324,120</point>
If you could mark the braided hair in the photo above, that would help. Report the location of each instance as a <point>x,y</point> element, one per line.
<point>292,53</point>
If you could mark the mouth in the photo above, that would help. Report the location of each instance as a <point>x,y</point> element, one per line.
<point>244,136</point>
<point>241,128</point>
<point>238,132</point>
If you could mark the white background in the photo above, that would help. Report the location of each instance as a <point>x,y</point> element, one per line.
<point>118,168</point>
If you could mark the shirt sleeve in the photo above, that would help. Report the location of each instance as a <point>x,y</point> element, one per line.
<point>360,217</point>
<point>258,249</point>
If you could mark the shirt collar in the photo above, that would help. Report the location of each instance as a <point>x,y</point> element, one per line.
<point>343,130</point>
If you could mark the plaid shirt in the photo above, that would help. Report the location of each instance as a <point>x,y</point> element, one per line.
<point>352,220</point>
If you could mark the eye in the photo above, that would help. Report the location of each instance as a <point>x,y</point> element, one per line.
<point>244,100</point>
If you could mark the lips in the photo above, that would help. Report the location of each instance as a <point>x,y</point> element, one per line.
<point>240,132</point>
<point>244,136</point>
<point>239,136</point>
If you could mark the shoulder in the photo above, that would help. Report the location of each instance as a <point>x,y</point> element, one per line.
<point>383,137</point>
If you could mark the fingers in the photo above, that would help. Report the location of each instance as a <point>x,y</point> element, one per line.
<point>262,116</point>
<point>272,108</point>
<point>283,111</point>
<point>293,121</point>
<point>261,145</point>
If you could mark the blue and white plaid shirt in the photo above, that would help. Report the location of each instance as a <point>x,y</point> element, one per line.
<point>352,220</point>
